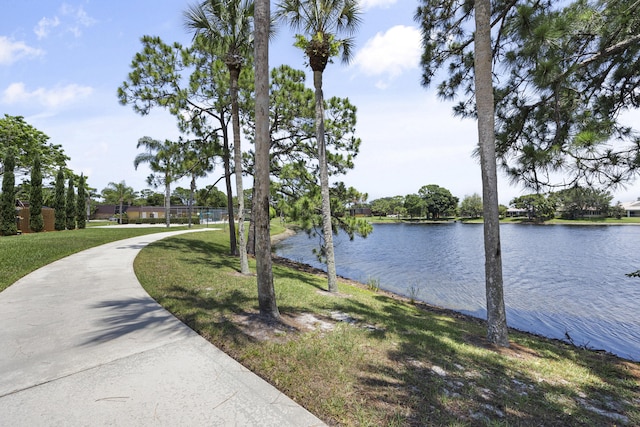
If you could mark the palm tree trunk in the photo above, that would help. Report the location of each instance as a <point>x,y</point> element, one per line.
<point>324,185</point>
<point>234,72</point>
<point>497,332</point>
<point>266,292</point>
<point>233,247</point>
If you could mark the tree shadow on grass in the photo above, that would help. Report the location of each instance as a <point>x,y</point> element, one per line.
<point>197,251</point>
<point>443,369</point>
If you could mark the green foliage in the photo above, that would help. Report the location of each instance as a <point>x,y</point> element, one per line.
<point>164,159</point>
<point>414,205</point>
<point>438,201</point>
<point>70,206</point>
<point>36,221</point>
<point>81,208</point>
<point>211,196</point>
<point>539,207</point>
<point>306,211</point>
<point>119,194</point>
<point>323,24</point>
<point>471,206</point>
<point>8,226</point>
<point>373,284</point>
<point>60,202</point>
<point>576,202</point>
<point>150,198</point>
<point>294,151</point>
<point>617,211</point>
<point>27,143</point>
<point>388,206</point>
<point>565,71</point>
<point>226,26</point>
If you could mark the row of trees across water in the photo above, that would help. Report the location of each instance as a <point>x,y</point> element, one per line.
<point>435,202</point>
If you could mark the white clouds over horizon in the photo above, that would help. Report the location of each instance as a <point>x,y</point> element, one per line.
<point>12,51</point>
<point>17,93</point>
<point>390,54</point>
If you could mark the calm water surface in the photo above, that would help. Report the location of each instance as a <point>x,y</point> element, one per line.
<point>558,279</point>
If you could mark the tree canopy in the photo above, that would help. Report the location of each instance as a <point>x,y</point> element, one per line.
<point>27,143</point>
<point>564,73</point>
<point>438,201</point>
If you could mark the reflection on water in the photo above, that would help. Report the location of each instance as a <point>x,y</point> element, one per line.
<point>558,279</point>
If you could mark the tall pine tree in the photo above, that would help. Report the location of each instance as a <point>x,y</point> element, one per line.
<point>71,206</point>
<point>36,221</point>
<point>60,203</point>
<point>81,217</point>
<point>8,226</point>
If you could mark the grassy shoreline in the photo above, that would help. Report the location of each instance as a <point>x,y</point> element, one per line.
<point>373,358</point>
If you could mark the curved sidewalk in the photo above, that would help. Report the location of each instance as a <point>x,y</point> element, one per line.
<point>81,343</point>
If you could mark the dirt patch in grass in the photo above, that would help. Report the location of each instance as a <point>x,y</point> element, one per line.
<point>264,328</point>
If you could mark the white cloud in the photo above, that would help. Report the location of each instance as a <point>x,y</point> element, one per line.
<point>44,27</point>
<point>390,54</point>
<point>73,20</point>
<point>16,93</point>
<point>79,17</point>
<point>11,51</point>
<point>370,4</point>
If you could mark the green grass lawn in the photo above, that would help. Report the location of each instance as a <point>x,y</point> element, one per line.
<point>20,255</point>
<point>367,358</point>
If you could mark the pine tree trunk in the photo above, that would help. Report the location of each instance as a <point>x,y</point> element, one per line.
<point>497,332</point>
<point>324,185</point>
<point>266,291</point>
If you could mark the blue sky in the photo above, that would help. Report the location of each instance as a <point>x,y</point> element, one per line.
<point>62,62</point>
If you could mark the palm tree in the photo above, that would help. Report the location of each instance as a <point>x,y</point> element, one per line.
<point>227,26</point>
<point>118,193</point>
<point>164,158</point>
<point>323,21</point>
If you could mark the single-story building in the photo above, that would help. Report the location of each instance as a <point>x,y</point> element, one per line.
<point>631,209</point>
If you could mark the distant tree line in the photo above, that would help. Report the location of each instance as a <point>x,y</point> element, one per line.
<point>435,202</point>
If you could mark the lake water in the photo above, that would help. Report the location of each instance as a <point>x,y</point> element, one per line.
<point>558,279</point>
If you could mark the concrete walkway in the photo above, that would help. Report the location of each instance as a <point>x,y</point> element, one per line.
<point>82,344</point>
